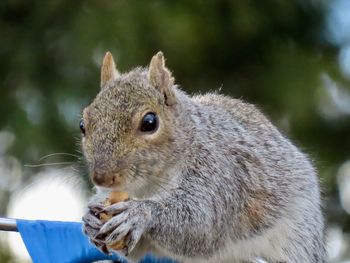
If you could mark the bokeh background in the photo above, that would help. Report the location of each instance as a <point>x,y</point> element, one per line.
<point>291,58</point>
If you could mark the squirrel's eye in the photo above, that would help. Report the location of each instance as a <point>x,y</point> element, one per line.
<point>149,122</point>
<point>82,126</point>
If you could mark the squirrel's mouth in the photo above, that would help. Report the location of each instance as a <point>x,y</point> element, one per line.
<point>108,180</point>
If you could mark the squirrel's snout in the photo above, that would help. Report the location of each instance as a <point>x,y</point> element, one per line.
<point>98,178</point>
<point>106,179</point>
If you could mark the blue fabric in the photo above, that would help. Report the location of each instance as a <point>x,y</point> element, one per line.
<point>64,242</point>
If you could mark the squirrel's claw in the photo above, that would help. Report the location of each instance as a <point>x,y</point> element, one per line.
<point>116,208</point>
<point>97,203</point>
<point>133,239</point>
<point>130,240</point>
<point>91,228</point>
<point>96,208</point>
<point>91,220</point>
<point>118,234</point>
<point>127,226</point>
<point>112,224</point>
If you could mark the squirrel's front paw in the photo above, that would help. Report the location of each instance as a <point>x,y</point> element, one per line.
<point>91,227</point>
<point>129,221</point>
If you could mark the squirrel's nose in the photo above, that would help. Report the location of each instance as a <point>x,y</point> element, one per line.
<point>101,178</point>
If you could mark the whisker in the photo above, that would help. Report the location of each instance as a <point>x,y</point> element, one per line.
<point>155,187</point>
<point>54,154</point>
<point>157,183</point>
<point>151,190</point>
<point>46,164</point>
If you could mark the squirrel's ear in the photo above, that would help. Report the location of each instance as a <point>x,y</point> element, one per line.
<point>160,77</point>
<point>108,70</point>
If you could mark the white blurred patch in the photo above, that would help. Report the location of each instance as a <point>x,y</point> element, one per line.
<point>6,141</point>
<point>344,60</point>
<point>70,110</point>
<point>11,173</point>
<point>10,167</point>
<point>333,100</point>
<point>338,22</point>
<point>258,260</point>
<point>30,99</point>
<point>343,178</point>
<point>53,195</point>
<point>336,243</point>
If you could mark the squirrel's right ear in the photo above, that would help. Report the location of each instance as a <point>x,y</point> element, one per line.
<point>108,70</point>
<point>160,77</point>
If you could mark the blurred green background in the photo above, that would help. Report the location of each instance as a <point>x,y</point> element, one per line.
<point>291,58</point>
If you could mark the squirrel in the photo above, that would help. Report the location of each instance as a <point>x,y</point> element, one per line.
<point>210,178</point>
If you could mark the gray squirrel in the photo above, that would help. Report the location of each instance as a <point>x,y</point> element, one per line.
<point>210,179</point>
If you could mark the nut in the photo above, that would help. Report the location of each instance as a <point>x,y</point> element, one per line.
<point>113,198</point>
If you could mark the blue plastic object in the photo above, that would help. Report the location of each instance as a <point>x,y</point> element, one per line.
<point>64,242</point>
<point>59,242</point>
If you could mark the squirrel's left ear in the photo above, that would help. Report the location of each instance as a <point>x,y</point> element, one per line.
<point>160,77</point>
<point>108,70</point>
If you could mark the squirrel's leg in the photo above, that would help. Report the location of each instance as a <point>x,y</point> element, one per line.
<point>202,226</point>
<point>143,247</point>
<point>188,227</point>
<point>182,228</point>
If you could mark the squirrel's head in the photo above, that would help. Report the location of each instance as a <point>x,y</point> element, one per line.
<point>129,130</point>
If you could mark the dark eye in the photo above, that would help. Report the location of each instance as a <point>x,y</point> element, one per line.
<point>82,126</point>
<point>149,122</point>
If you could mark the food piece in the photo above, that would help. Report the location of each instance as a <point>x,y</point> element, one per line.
<point>104,217</point>
<point>116,197</point>
<point>117,246</point>
<point>113,198</point>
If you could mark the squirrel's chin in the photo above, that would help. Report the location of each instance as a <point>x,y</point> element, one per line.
<point>118,188</point>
